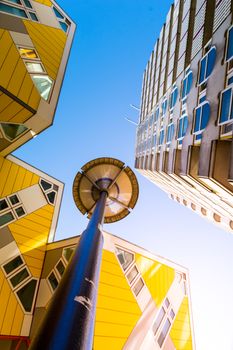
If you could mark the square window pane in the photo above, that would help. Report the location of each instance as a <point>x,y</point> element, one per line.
<point>19,277</point>
<point>6,218</point>
<point>33,16</point>
<point>53,281</point>
<point>14,199</point>
<point>124,257</point>
<point>28,53</point>
<point>132,274</point>
<point>138,286</point>
<point>60,268</point>
<point>64,26</point>
<point>34,67</point>
<point>28,4</point>
<point>20,211</point>
<point>3,204</point>
<point>13,264</point>
<point>26,294</point>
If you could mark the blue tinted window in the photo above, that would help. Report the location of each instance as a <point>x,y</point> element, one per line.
<point>187,84</point>
<point>205,115</point>
<point>15,1</point>
<point>183,126</point>
<point>226,106</point>
<point>230,81</point>
<point>33,16</point>
<point>170,132</point>
<point>157,114</point>
<point>164,106</point>
<point>64,26</point>
<point>202,117</point>
<point>207,65</point>
<point>154,141</point>
<point>27,4</point>
<point>57,13</point>
<point>13,10</point>
<point>230,45</point>
<point>173,97</point>
<point>161,137</point>
<point>210,61</point>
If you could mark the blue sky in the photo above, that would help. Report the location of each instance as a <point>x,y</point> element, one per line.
<point>113,42</point>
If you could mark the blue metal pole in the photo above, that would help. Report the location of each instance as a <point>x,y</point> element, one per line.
<point>70,318</point>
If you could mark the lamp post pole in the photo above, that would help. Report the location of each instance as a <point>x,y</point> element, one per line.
<point>70,318</point>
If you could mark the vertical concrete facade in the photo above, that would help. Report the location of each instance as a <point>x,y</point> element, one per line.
<point>184,136</point>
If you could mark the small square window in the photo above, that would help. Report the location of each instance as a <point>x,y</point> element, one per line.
<point>20,211</point>
<point>34,67</point>
<point>33,16</point>
<point>6,218</point>
<point>53,281</point>
<point>14,199</point>
<point>132,274</point>
<point>13,265</point>
<point>60,268</point>
<point>3,204</point>
<point>19,277</point>
<point>28,53</point>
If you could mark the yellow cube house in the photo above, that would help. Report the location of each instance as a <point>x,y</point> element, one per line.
<point>35,41</point>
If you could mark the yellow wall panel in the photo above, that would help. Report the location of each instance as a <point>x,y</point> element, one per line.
<point>5,169</point>
<point>44,2</point>
<point>18,185</point>
<point>17,321</point>
<point>26,89</point>
<point>5,45</point>
<point>12,110</point>
<point>12,175</point>
<point>181,329</point>
<point>4,298</point>
<point>158,277</point>
<point>9,65</point>
<point>4,102</point>
<point>117,309</point>
<point>9,315</point>
<point>20,117</point>
<point>19,74</point>
<point>2,277</point>
<point>50,43</point>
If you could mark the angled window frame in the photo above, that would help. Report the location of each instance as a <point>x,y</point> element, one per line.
<point>205,57</point>
<point>200,106</point>
<point>227,43</point>
<point>229,120</point>
<point>21,7</point>
<point>188,73</point>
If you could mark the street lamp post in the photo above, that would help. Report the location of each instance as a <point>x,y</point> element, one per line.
<point>106,190</point>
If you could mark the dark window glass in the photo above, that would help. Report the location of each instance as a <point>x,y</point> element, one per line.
<point>28,4</point>
<point>158,320</point>
<point>230,45</point>
<point>57,13</point>
<point>15,1</point>
<point>26,295</point>
<point>14,199</point>
<point>225,106</point>
<point>68,252</point>
<point>60,268</point>
<point>197,119</point>
<point>3,204</point>
<point>45,185</point>
<point>20,211</point>
<point>51,197</point>
<point>12,10</point>
<point>13,264</point>
<point>6,218</point>
<point>53,281</point>
<point>138,286</point>
<point>19,277</point>
<point>132,274</point>
<point>33,16</point>
<point>164,332</point>
<point>205,115</point>
<point>12,131</point>
<point>124,257</point>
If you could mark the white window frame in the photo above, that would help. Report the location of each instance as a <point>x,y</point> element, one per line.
<point>12,209</point>
<point>21,7</point>
<point>194,119</point>
<point>229,121</point>
<point>187,73</point>
<point>213,47</point>
<point>169,126</point>
<point>183,116</point>
<point>227,42</point>
<point>171,98</point>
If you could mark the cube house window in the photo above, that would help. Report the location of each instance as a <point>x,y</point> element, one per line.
<point>12,131</point>
<point>44,85</point>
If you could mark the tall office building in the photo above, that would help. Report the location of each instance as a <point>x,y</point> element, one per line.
<point>184,137</point>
